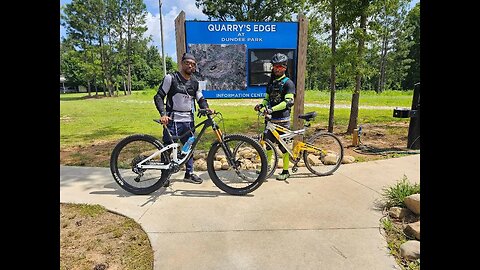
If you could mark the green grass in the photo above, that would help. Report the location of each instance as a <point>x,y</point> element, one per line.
<point>85,120</point>
<point>91,210</point>
<point>393,98</point>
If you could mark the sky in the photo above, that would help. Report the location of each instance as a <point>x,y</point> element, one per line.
<point>170,10</point>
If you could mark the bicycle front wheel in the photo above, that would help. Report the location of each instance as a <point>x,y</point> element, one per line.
<point>273,162</point>
<point>324,154</point>
<point>125,157</point>
<point>238,165</point>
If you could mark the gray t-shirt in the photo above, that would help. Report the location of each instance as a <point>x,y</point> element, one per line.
<point>183,103</point>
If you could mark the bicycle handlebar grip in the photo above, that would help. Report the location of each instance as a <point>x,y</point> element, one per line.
<point>204,112</point>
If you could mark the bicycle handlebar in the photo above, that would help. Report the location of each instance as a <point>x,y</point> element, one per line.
<point>263,111</point>
<point>205,112</point>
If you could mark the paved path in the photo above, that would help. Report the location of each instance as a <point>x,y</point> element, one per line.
<point>304,223</point>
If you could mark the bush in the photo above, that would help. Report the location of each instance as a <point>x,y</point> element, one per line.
<point>394,196</point>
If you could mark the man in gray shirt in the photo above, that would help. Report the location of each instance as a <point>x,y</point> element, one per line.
<point>181,90</point>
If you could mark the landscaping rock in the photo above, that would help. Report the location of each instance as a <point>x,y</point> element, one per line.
<point>413,203</point>
<point>410,250</point>
<point>413,229</point>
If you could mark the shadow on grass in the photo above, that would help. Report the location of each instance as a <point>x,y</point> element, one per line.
<point>65,97</point>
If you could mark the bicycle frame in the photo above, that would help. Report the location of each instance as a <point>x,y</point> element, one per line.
<point>288,134</point>
<point>174,146</point>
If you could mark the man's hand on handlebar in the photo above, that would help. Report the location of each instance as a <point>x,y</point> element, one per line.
<point>258,107</point>
<point>164,119</point>
<point>207,111</point>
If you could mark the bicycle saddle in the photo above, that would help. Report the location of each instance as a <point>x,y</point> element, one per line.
<point>308,116</point>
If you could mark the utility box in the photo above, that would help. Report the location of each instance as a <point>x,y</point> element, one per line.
<point>401,113</point>
<point>414,115</point>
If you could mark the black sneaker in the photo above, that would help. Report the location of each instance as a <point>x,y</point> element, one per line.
<point>167,183</point>
<point>192,178</point>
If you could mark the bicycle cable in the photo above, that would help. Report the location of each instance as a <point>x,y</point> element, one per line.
<point>220,119</point>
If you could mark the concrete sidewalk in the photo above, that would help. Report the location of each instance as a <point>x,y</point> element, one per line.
<point>306,222</point>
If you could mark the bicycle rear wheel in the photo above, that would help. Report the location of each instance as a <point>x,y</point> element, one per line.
<point>272,164</point>
<point>325,156</point>
<point>233,167</point>
<point>127,154</point>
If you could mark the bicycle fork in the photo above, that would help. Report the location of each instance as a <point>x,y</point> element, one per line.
<point>229,155</point>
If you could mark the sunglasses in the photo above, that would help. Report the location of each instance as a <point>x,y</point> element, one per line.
<point>279,67</point>
<point>188,63</point>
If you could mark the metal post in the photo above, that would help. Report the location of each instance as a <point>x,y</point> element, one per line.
<point>161,34</point>
<point>414,126</point>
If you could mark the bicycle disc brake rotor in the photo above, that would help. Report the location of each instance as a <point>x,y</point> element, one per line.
<point>135,162</point>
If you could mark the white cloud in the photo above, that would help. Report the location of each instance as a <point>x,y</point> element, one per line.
<point>170,9</point>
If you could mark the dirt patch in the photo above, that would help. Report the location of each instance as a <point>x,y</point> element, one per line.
<point>93,238</point>
<point>93,155</point>
<point>376,142</point>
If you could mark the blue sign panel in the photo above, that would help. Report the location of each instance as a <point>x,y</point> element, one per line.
<point>233,58</point>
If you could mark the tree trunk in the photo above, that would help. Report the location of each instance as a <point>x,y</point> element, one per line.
<point>129,79</point>
<point>352,124</point>
<point>88,89</point>
<point>383,57</point>
<point>332,69</point>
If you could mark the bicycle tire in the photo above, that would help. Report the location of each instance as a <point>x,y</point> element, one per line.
<point>274,164</point>
<point>327,161</point>
<point>130,151</point>
<point>245,179</point>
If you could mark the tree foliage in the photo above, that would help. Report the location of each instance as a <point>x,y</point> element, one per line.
<point>413,23</point>
<point>250,10</point>
<point>105,45</point>
<point>106,48</point>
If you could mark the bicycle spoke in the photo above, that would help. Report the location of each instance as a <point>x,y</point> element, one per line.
<point>125,160</point>
<point>239,176</point>
<point>325,154</point>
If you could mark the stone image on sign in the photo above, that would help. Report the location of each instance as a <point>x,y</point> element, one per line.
<point>221,66</point>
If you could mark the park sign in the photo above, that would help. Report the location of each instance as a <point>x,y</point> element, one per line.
<point>233,58</point>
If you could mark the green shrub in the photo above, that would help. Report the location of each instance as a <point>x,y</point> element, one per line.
<point>394,196</point>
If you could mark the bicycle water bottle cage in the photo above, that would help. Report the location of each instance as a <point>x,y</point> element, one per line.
<point>308,116</point>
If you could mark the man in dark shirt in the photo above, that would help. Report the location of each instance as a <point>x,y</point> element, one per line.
<point>279,99</point>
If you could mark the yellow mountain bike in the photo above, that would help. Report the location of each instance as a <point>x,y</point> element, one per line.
<point>322,151</point>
